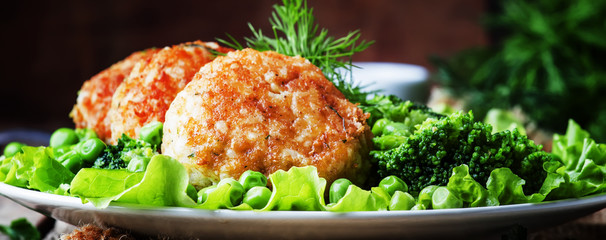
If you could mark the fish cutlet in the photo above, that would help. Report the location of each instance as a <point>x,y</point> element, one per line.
<point>95,96</point>
<point>265,111</point>
<point>152,85</point>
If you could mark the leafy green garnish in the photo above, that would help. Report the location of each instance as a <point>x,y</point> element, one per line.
<point>501,120</point>
<point>507,187</point>
<point>584,164</point>
<point>87,182</point>
<point>357,199</point>
<point>467,189</point>
<point>20,229</point>
<point>164,183</point>
<point>295,33</point>
<point>298,189</point>
<point>35,168</point>
<point>549,62</point>
<point>222,196</point>
<point>128,153</point>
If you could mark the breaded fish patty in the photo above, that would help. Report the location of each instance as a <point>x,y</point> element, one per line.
<point>265,111</point>
<point>95,96</point>
<point>152,85</point>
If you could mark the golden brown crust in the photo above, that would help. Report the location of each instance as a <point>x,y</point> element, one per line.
<point>265,111</point>
<point>94,98</point>
<point>152,85</point>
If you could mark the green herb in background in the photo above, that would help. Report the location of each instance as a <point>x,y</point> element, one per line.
<point>550,62</point>
<point>20,229</point>
<point>295,33</point>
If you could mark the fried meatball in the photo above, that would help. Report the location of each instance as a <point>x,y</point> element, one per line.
<point>265,111</point>
<point>94,98</point>
<point>152,85</point>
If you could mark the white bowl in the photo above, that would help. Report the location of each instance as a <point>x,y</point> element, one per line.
<point>407,81</point>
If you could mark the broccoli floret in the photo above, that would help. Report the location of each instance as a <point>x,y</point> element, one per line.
<point>392,119</point>
<point>395,109</point>
<point>110,160</point>
<point>124,153</point>
<point>427,156</point>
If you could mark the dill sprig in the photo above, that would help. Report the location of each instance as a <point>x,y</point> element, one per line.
<point>295,33</point>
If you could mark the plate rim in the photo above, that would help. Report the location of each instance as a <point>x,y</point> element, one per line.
<point>28,197</point>
<point>188,223</point>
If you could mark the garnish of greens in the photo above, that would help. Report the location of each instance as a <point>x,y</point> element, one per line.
<point>548,60</point>
<point>20,229</point>
<point>422,159</point>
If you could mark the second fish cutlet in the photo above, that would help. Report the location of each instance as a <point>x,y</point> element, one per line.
<point>152,85</point>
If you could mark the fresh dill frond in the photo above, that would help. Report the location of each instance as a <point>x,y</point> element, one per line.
<point>295,33</point>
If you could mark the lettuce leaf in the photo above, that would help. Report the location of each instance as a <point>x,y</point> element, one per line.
<point>469,190</point>
<point>299,189</point>
<point>5,166</point>
<point>357,199</point>
<point>584,164</point>
<point>507,187</point>
<point>9,173</point>
<point>501,120</point>
<point>35,168</point>
<point>164,183</point>
<point>221,197</point>
<point>101,186</point>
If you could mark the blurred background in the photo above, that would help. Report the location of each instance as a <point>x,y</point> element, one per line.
<point>52,47</point>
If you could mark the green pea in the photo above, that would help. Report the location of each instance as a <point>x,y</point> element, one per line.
<point>377,128</point>
<point>63,137</point>
<point>418,206</point>
<point>236,191</point>
<point>152,133</point>
<point>60,151</point>
<point>72,161</point>
<point>426,194</point>
<point>85,134</point>
<point>90,149</point>
<point>401,201</point>
<point>13,148</point>
<point>257,197</point>
<point>443,198</point>
<point>337,190</point>
<point>137,163</point>
<point>250,179</point>
<point>191,192</point>
<point>388,141</point>
<point>204,192</point>
<point>395,128</point>
<point>391,184</point>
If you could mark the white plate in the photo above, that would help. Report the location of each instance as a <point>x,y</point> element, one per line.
<point>407,81</point>
<point>227,224</point>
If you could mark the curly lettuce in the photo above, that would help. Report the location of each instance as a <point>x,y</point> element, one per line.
<point>36,168</point>
<point>584,164</point>
<point>164,183</point>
